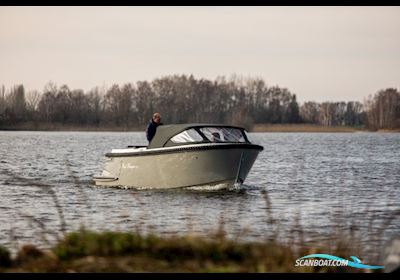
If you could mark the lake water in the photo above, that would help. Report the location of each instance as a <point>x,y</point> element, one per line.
<point>319,182</point>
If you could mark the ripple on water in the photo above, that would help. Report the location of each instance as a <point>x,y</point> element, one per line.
<point>317,179</point>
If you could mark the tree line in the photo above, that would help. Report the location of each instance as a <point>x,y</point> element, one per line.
<point>184,99</point>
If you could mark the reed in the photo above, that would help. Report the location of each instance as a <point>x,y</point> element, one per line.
<point>88,251</point>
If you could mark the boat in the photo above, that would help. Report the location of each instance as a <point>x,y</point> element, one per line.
<point>183,155</point>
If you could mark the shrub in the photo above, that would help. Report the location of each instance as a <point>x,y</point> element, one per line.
<point>5,259</point>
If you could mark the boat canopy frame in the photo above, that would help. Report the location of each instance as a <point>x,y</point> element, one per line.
<point>166,132</point>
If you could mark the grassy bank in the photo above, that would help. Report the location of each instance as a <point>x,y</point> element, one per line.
<point>388,130</point>
<point>86,251</point>
<point>33,126</point>
<point>261,127</point>
<point>302,128</point>
<point>256,128</point>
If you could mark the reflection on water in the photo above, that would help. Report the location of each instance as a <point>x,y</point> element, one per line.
<point>326,181</point>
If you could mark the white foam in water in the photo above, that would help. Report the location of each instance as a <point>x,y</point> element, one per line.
<point>217,187</point>
<point>214,187</point>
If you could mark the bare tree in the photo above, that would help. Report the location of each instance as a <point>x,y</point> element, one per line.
<point>309,112</point>
<point>32,100</point>
<point>181,98</point>
<point>382,109</point>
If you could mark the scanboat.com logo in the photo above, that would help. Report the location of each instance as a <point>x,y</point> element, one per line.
<point>329,260</point>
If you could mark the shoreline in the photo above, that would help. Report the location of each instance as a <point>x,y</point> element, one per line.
<point>314,128</point>
<point>270,128</point>
<point>303,128</point>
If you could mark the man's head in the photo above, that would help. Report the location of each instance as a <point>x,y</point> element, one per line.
<point>157,118</point>
<point>215,137</point>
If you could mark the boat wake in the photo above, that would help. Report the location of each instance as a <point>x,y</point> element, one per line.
<point>201,188</point>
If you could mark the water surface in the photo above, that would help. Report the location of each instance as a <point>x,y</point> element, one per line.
<point>318,182</point>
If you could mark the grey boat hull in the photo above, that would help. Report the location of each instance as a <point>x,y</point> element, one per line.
<point>180,167</point>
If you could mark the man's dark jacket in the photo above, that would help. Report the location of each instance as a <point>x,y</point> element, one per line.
<point>151,130</point>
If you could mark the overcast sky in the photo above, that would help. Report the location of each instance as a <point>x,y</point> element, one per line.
<point>319,53</point>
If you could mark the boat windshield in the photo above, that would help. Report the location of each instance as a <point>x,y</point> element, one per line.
<point>187,136</point>
<point>212,134</point>
<point>223,134</point>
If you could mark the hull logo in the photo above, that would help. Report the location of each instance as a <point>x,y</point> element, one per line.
<point>128,166</point>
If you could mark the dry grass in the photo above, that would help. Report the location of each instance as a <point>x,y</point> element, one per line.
<point>35,126</point>
<point>87,251</point>
<point>301,128</point>
<point>260,127</point>
<point>389,130</point>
